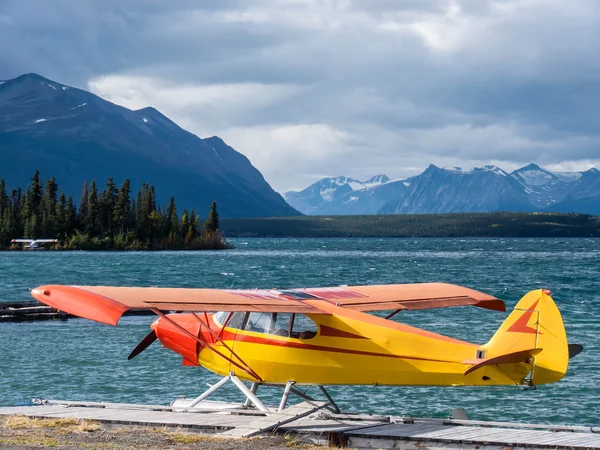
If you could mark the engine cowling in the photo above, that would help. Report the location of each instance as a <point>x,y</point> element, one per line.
<point>173,338</point>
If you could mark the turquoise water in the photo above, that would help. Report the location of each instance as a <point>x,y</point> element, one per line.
<point>81,360</point>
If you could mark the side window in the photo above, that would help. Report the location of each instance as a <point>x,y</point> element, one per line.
<point>281,324</point>
<point>303,327</point>
<point>221,317</point>
<point>237,320</point>
<point>259,322</point>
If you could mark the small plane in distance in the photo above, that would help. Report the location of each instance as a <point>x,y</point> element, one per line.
<point>34,244</point>
<point>324,336</point>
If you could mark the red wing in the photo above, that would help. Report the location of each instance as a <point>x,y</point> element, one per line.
<point>406,296</point>
<point>107,304</point>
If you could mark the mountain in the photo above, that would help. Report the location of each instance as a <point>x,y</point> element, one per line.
<point>446,190</point>
<point>74,136</point>
<point>341,195</point>
<point>584,196</point>
<point>455,190</point>
<point>543,187</point>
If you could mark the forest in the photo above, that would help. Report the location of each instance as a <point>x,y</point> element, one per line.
<point>107,219</point>
<point>498,224</point>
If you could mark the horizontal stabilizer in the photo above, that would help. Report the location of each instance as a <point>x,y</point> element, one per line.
<point>523,356</point>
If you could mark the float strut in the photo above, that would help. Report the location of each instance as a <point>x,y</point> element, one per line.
<point>253,398</point>
<point>286,394</point>
<point>330,400</point>
<point>212,389</point>
<point>253,389</point>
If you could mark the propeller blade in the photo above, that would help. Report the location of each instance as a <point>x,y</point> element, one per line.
<point>575,349</point>
<point>143,345</point>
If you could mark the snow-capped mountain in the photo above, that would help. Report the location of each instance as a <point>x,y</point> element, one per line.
<point>341,195</point>
<point>545,188</point>
<point>455,190</point>
<point>452,189</point>
<point>584,195</point>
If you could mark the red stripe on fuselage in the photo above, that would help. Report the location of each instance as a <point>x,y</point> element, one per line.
<point>322,348</point>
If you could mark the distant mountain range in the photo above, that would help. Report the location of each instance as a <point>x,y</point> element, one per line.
<point>74,135</point>
<point>447,190</point>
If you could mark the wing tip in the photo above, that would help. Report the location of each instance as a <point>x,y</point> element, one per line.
<point>80,302</point>
<point>495,304</point>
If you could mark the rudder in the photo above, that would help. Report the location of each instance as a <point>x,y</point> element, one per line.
<point>535,323</point>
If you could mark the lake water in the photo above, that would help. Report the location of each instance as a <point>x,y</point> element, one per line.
<point>82,360</point>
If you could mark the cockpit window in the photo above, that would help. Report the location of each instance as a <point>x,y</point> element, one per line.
<point>297,326</point>
<point>303,327</point>
<point>281,324</point>
<point>236,321</point>
<point>259,322</point>
<point>221,317</point>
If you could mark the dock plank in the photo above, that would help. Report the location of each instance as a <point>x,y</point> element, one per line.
<point>271,422</point>
<point>366,431</point>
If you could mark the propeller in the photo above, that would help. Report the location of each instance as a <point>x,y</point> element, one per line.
<point>575,349</point>
<point>143,345</point>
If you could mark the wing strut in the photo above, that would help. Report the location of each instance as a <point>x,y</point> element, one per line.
<point>222,342</point>
<point>246,369</point>
<point>392,314</point>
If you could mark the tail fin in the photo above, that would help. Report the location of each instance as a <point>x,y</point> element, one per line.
<point>535,330</point>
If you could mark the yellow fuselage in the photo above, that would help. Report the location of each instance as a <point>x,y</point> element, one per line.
<point>357,348</point>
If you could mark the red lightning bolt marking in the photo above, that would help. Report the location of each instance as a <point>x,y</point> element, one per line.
<point>520,325</point>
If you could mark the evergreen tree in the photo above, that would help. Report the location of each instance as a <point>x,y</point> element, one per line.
<point>212,223</point>
<point>132,221</point>
<point>16,206</point>
<point>83,205</point>
<point>172,220</point>
<point>48,210</point>
<point>32,227</point>
<point>36,192</point>
<point>61,216</point>
<point>121,213</point>
<point>144,204</point>
<point>194,221</point>
<point>93,220</point>
<point>108,201</point>
<point>184,226</point>
<point>71,217</point>
<point>26,205</point>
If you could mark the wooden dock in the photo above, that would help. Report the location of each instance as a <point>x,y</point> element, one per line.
<point>28,310</point>
<point>309,422</point>
<point>25,311</point>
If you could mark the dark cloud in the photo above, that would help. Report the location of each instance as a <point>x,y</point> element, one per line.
<point>313,87</point>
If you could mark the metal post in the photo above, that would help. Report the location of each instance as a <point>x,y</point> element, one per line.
<point>330,400</point>
<point>212,389</point>
<point>286,394</point>
<point>253,398</point>
<point>253,389</point>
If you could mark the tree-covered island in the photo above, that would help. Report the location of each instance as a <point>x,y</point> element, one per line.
<point>111,219</point>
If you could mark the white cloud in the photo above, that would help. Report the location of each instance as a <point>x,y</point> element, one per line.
<point>309,88</point>
<point>202,108</point>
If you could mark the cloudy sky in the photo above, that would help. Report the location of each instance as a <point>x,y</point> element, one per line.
<point>313,88</point>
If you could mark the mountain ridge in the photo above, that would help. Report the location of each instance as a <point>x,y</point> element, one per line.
<point>75,135</point>
<point>452,189</point>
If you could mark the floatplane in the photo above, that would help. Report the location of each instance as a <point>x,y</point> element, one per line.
<point>34,244</point>
<point>326,336</point>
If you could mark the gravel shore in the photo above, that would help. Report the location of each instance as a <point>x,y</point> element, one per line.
<point>19,432</point>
